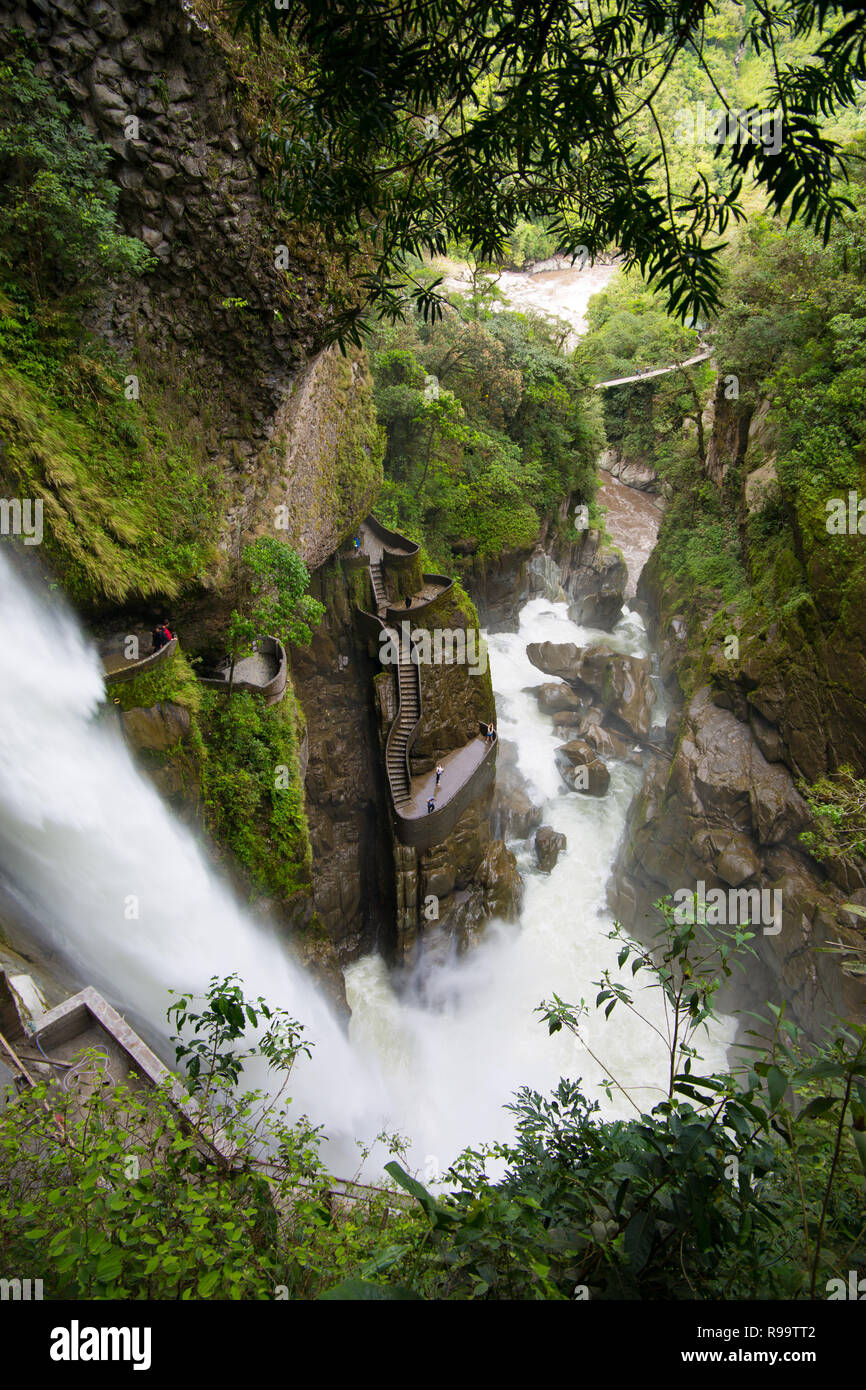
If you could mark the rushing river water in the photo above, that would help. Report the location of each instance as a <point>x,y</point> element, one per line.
<point>555,289</point>
<point>458,1037</point>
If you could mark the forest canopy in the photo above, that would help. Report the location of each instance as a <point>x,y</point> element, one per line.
<point>407,126</point>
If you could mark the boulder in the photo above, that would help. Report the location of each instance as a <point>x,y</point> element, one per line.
<point>562,659</point>
<point>604,741</point>
<point>500,878</point>
<point>555,698</point>
<point>601,609</point>
<point>581,769</point>
<point>621,683</point>
<point>549,843</point>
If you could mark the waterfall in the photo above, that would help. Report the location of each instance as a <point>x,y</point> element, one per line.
<point>123,893</point>
<point>83,835</point>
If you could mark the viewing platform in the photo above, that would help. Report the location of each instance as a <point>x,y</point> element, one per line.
<point>118,667</point>
<point>265,672</point>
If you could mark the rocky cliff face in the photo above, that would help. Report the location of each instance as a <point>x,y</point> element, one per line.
<point>783,701</point>
<point>230,323</point>
<point>589,575</point>
<point>346,795</point>
<point>369,891</point>
<point>233,314</point>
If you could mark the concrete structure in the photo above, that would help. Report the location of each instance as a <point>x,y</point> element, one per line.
<point>470,770</point>
<point>86,1042</point>
<point>118,669</point>
<point>266,672</point>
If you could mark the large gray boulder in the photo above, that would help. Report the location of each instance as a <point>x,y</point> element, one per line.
<point>621,684</point>
<point>581,768</point>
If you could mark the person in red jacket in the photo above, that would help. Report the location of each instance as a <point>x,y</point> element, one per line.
<point>161,637</point>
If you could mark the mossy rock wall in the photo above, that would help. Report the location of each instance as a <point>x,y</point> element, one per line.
<point>325,468</point>
<point>455,695</point>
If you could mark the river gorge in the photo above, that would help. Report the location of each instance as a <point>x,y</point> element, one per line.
<point>435,1049</point>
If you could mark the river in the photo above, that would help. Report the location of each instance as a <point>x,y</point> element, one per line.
<point>456,1038</point>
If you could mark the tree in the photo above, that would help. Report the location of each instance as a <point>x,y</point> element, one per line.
<point>407,125</point>
<point>278,604</point>
<point>57,216</point>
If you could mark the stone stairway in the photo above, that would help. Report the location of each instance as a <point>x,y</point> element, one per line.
<point>379,591</point>
<point>410,712</point>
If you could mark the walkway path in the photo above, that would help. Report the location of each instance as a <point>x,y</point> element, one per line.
<point>658,371</point>
<point>458,765</point>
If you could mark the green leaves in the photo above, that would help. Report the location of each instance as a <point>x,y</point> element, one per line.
<point>533,123</point>
<point>279,605</point>
<point>57,216</point>
<point>438,1215</point>
<point>638,1239</point>
<point>362,1291</point>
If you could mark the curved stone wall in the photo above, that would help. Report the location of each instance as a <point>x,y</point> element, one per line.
<point>273,690</point>
<point>138,668</point>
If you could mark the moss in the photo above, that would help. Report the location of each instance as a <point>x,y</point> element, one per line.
<point>512,526</point>
<point>359,588</point>
<point>454,610</point>
<point>408,579</point>
<point>253,791</point>
<point>129,506</point>
<point>172,680</point>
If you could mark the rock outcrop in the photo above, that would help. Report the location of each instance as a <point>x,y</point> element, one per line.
<point>555,698</point>
<point>761,703</point>
<point>723,815</point>
<point>513,814</point>
<point>632,472</point>
<point>586,573</point>
<point>231,320</point>
<point>346,797</point>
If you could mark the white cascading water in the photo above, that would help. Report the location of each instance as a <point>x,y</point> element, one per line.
<point>84,838</point>
<point>465,1035</point>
